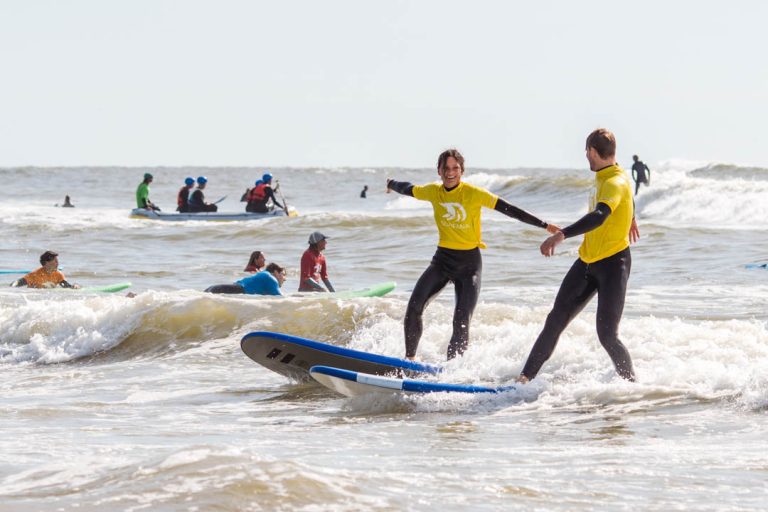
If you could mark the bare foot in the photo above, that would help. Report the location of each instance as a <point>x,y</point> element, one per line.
<point>522,379</point>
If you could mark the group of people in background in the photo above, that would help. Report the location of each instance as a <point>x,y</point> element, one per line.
<point>313,272</point>
<point>259,199</point>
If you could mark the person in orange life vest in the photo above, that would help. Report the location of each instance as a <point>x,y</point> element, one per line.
<point>47,276</point>
<point>256,262</point>
<point>260,195</point>
<point>182,198</point>
<point>313,267</point>
<point>197,199</point>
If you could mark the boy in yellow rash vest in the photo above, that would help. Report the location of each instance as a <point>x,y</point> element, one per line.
<point>456,206</point>
<point>604,261</point>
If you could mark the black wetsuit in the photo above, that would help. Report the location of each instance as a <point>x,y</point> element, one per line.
<point>225,288</point>
<point>462,267</point>
<point>608,279</point>
<point>638,174</point>
<point>197,203</point>
<point>260,206</point>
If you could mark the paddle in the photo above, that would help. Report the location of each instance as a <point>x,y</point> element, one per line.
<point>277,189</point>
<point>220,200</point>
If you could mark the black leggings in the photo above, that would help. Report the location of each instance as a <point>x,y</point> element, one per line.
<point>225,288</point>
<point>608,278</point>
<point>464,269</point>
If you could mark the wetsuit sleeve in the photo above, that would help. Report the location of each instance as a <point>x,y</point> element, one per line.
<point>401,187</point>
<point>19,282</point>
<point>65,284</point>
<point>590,221</point>
<point>271,194</point>
<point>516,213</point>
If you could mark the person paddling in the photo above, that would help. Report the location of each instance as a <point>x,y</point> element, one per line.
<point>182,198</point>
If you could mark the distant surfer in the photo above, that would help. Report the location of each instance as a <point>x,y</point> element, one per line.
<point>67,203</point>
<point>457,210</point>
<point>266,282</point>
<point>142,194</point>
<point>259,197</point>
<point>182,198</point>
<point>197,202</point>
<point>639,170</point>
<point>604,261</point>
<point>364,191</point>
<point>313,266</point>
<point>256,262</point>
<point>47,276</point>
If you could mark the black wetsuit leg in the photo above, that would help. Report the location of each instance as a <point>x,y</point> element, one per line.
<point>608,278</point>
<point>464,268</point>
<point>225,288</point>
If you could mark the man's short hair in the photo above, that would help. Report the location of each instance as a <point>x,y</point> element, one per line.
<point>274,266</point>
<point>603,141</point>
<point>443,158</point>
<point>47,256</point>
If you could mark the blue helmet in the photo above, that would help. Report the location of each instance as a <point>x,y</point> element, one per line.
<point>189,181</point>
<point>267,178</point>
<point>201,180</point>
<point>259,182</point>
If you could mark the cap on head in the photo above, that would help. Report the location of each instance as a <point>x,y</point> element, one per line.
<point>202,180</point>
<point>258,182</point>
<point>189,181</point>
<point>148,176</point>
<point>267,178</point>
<point>47,256</point>
<point>317,237</point>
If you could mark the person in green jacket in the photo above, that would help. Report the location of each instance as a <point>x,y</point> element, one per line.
<point>142,194</point>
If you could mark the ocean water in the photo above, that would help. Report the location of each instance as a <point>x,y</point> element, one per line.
<point>109,402</point>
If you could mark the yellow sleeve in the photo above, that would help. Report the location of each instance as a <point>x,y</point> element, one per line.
<point>610,194</point>
<point>424,192</point>
<point>487,199</point>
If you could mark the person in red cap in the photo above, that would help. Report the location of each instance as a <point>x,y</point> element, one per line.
<point>313,267</point>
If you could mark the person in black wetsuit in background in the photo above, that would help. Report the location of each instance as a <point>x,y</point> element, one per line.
<point>364,191</point>
<point>182,198</point>
<point>638,173</point>
<point>260,195</point>
<point>604,262</point>
<point>197,199</point>
<point>457,210</point>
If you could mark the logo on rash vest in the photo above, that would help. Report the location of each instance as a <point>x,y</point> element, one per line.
<point>454,216</point>
<point>454,212</point>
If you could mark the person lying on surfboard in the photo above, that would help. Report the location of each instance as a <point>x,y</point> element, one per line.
<point>47,276</point>
<point>266,282</point>
<point>457,208</point>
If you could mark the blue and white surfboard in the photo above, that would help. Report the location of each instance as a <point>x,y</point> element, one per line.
<point>350,383</point>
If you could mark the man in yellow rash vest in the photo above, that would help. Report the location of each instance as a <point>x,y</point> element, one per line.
<point>604,261</point>
<point>457,207</point>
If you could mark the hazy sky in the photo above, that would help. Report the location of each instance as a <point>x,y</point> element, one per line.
<point>387,83</point>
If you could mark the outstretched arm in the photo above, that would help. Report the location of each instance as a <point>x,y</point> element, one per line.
<point>523,216</point>
<point>590,221</point>
<point>401,187</point>
<point>271,194</point>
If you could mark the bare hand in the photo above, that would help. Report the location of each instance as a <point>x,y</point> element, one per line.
<point>552,229</point>
<point>634,232</point>
<point>548,247</point>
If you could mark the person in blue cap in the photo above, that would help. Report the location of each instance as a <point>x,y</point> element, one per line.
<point>260,195</point>
<point>197,199</point>
<point>142,194</point>
<point>182,199</point>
